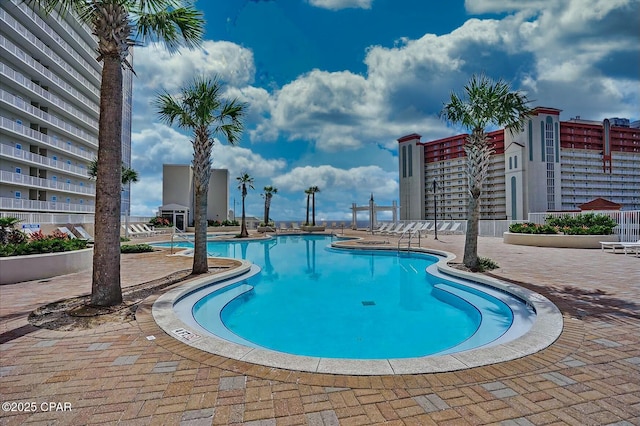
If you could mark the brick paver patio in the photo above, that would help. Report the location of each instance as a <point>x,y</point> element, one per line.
<point>118,373</point>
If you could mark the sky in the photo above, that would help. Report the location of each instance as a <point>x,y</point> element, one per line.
<point>330,85</point>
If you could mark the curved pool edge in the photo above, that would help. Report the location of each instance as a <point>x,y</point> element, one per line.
<point>544,331</point>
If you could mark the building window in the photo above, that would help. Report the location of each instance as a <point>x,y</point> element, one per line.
<point>410,160</point>
<point>54,198</point>
<point>68,200</point>
<point>81,201</point>
<point>19,122</point>
<point>510,163</point>
<point>530,140</point>
<point>55,158</point>
<point>18,146</point>
<point>404,161</point>
<point>515,162</point>
<point>18,170</point>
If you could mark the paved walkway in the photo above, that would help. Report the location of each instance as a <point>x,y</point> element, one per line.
<point>115,374</point>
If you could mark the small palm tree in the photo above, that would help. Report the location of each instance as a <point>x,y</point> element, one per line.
<point>308,191</point>
<point>201,109</point>
<point>118,25</point>
<point>128,175</point>
<point>314,190</point>
<point>269,191</point>
<point>244,181</point>
<point>7,228</point>
<point>487,103</point>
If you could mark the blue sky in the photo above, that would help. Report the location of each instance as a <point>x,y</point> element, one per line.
<point>331,85</point>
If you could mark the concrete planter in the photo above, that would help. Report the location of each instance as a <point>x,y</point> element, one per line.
<point>310,228</point>
<point>557,240</point>
<point>263,229</point>
<point>15,269</point>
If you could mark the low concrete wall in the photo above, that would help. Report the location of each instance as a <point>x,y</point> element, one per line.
<point>557,240</point>
<point>15,269</point>
<point>216,229</point>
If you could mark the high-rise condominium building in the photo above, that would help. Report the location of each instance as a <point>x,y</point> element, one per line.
<point>49,111</point>
<point>552,165</point>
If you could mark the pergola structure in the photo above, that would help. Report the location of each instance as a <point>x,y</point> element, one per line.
<point>373,210</point>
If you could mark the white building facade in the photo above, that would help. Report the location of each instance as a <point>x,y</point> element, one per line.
<point>49,112</point>
<point>552,165</point>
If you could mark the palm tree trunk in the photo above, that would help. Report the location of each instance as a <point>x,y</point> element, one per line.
<point>307,221</point>
<point>105,285</point>
<point>243,230</point>
<point>470,258</point>
<point>313,220</point>
<point>267,207</point>
<point>200,263</point>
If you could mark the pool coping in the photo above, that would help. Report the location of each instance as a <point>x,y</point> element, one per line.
<point>545,330</point>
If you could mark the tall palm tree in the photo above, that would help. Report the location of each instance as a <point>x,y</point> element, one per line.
<point>201,109</point>
<point>269,191</point>
<point>314,190</point>
<point>308,192</point>
<point>244,181</point>
<point>486,103</point>
<point>118,25</point>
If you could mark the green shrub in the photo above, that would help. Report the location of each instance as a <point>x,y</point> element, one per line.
<point>124,239</point>
<point>135,248</point>
<point>45,245</point>
<point>532,228</point>
<point>487,264</point>
<point>581,224</point>
<point>230,223</point>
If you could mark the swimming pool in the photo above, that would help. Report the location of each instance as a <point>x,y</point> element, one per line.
<point>311,300</point>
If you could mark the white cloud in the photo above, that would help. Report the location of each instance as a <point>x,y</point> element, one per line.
<point>339,182</point>
<point>341,4</point>
<point>161,69</point>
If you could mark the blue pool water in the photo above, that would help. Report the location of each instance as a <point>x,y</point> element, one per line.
<point>312,300</point>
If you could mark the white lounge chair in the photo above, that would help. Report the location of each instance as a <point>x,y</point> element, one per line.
<point>145,227</point>
<point>444,226</point>
<point>401,231</point>
<point>422,229</point>
<point>83,233</point>
<point>134,232</point>
<point>392,229</point>
<point>295,226</point>
<point>454,228</point>
<point>613,245</point>
<point>631,247</point>
<point>381,228</point>
<point>66,231</point>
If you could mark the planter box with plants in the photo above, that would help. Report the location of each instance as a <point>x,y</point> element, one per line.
<point>38,256</point>
<point>580,231</point>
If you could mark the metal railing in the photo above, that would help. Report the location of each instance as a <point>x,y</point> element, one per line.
<point>11,125</point>
<point>26,180</point>
<point>11,208</point>
<point>29,157</point>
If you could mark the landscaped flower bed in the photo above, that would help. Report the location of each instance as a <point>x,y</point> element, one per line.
<point>580,231</point>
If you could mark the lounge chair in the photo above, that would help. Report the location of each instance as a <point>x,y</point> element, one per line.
<point>283,227</point>
<point>631,247</point>
<point>444,226</point>
<point>66,231</point>
<point>401,231</point>
<point>422,229</point>
<point>453,229</point>
<point>134,232</point>
<point>83,233</point>
<point>392,229</point>
<point>145,227</point>
<point>613,245</point>
<point>295,226</point>
<point>381,228</point>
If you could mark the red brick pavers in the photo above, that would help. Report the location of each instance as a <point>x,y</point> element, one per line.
<point>114,374</point>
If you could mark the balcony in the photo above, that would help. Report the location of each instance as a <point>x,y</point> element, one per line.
<point>44,206</point>
<point>20,81</point>
<point>8,20</point>
<point>15,103</point>
<point>22,60</point>
<point>54,17</point>
<point>32,136</point>
<point>40,161</point>
<point>23,180</point>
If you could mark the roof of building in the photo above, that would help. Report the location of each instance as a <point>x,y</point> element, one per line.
<point>600,204</point>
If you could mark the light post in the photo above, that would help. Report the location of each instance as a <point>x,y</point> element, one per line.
<point>435,209</point>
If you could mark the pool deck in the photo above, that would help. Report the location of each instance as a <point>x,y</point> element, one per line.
<point>113,373</point>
